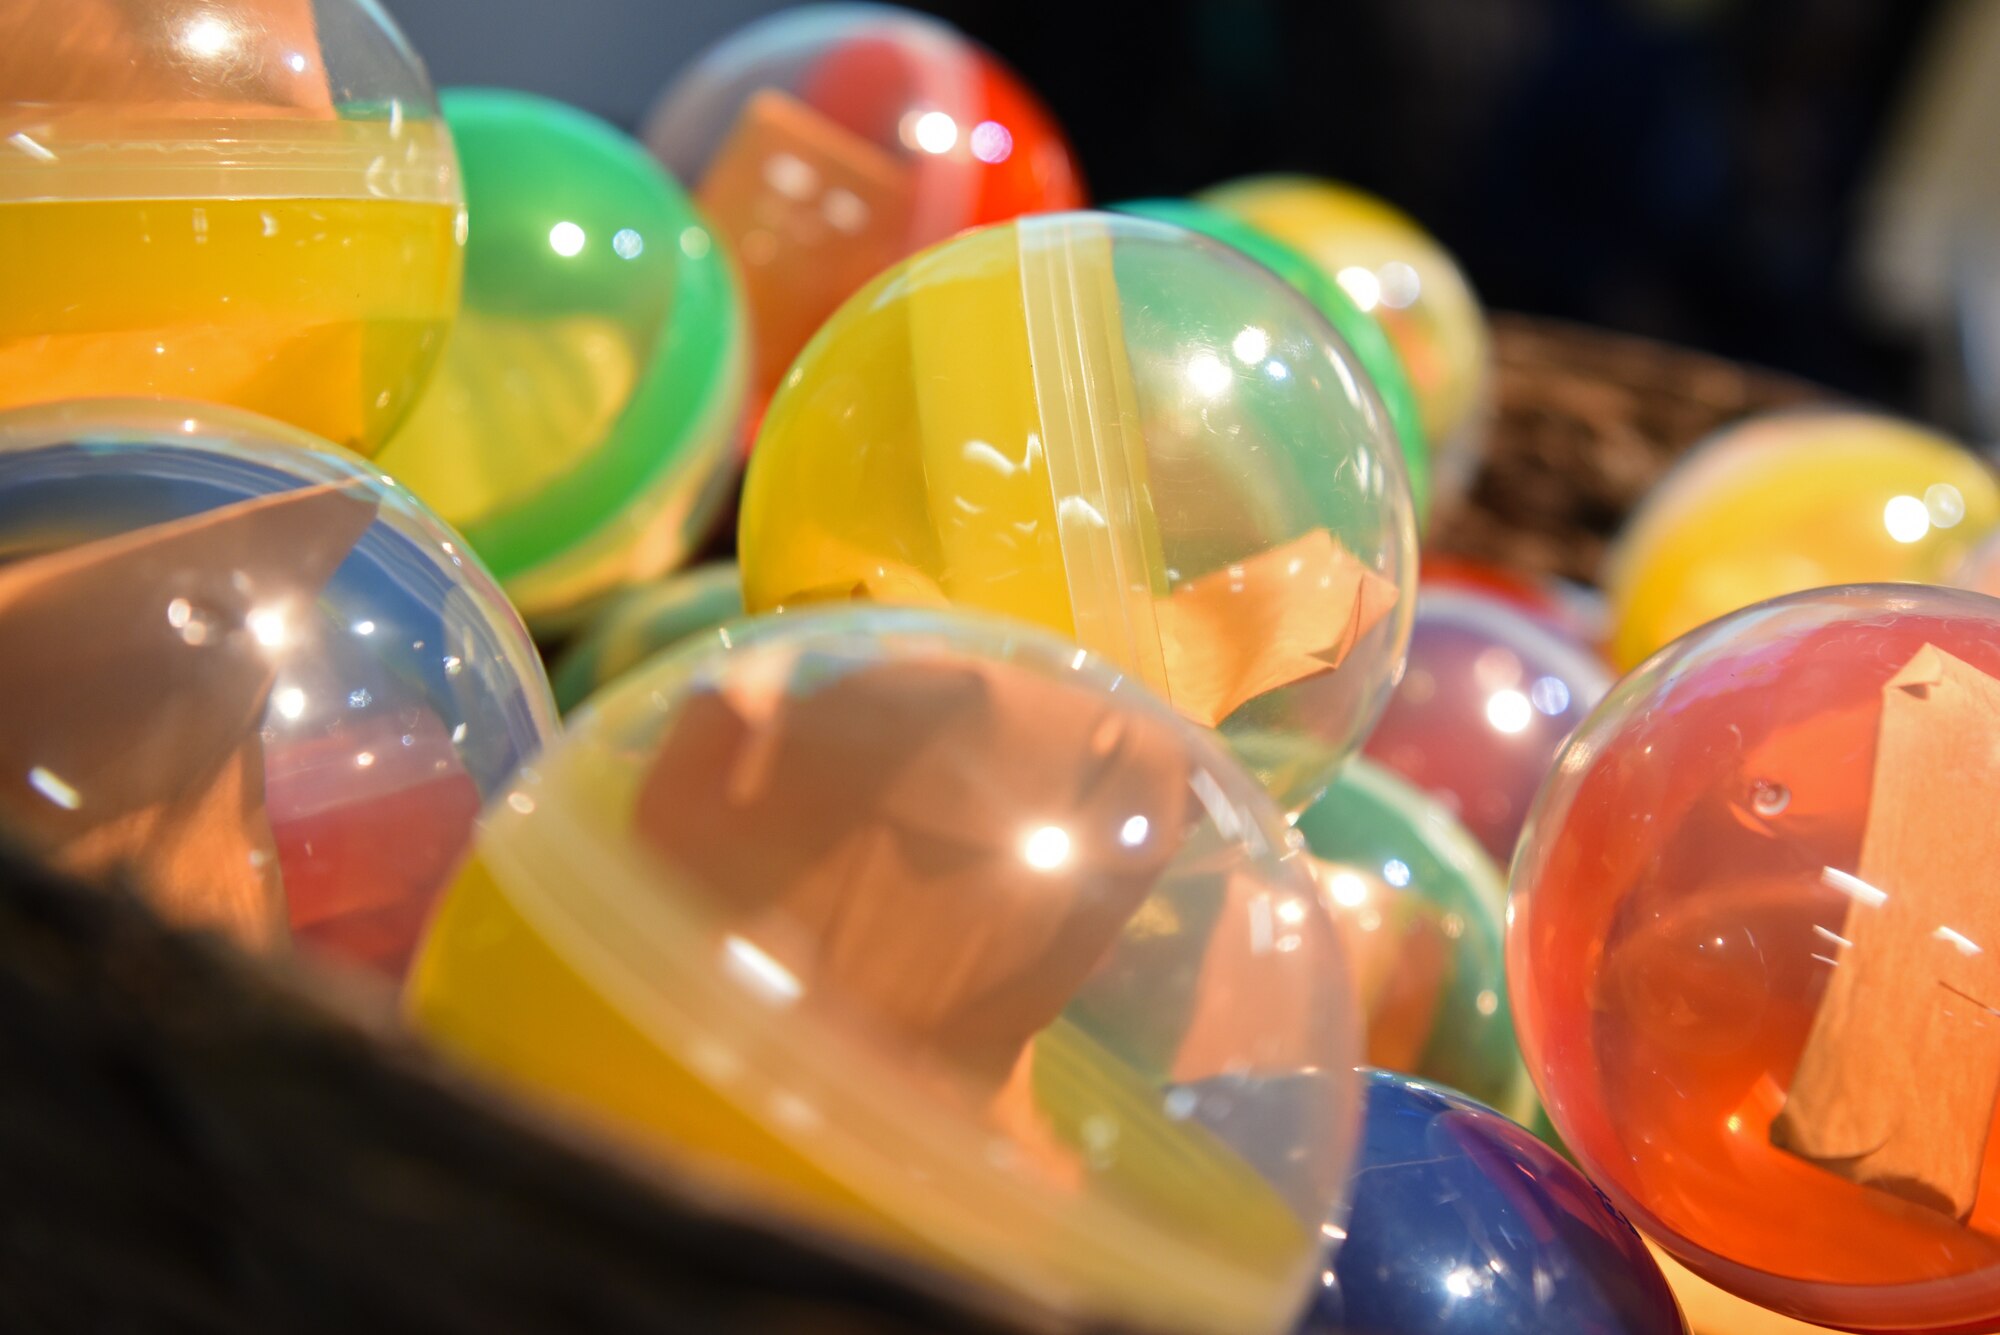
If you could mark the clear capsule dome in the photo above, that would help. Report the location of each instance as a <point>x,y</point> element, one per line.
<point>250,202</point>
<point>250,668</point>
<point>829,141</point>
<point>1752,944</point>
<point>1125,433</point>
<point>933,930</point>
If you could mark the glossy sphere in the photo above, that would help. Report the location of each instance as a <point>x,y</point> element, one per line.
<point>642,622</point>
<point>1752,926</point>
<point>936,931</point>
<point>1463,1223</point>
<point>1364,338</point>
<point>829,141</point>
<point>250,202</point>
<point>1482,709</point>
<point>1408,883</point>
<point>1125,433</point>
<point>581,431</point>
<point>1396,272</point>
<point>1793,501</point>
<point>277,685</point>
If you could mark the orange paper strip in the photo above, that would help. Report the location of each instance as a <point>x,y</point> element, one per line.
<point>1899,1078</point>
<point>246,56</point>
<point>931,848</point>
<point>1281,616</point>
<point>812,211</point>
<point>138,686</point>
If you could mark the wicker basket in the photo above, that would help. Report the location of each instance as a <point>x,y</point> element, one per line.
<point>191,1141</point>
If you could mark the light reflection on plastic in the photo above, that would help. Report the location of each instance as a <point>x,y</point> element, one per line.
<point>1251,345</point>
<point>1360,283</point>
<point>1509,711</point>
<point>1207,373</point>
<point>1046,847</point>
<point>1550,695</point>
<point>935,132</point>
<point>1906,518</point>
<point>207,37</point>
<point>770,980</point>
<point>1347,889</point>
<point>1399,284</point>
<point>267,624</point>
<point>50,785</point>
<point>992,142</point>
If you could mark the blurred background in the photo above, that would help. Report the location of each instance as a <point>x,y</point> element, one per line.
<point>1808,184</point>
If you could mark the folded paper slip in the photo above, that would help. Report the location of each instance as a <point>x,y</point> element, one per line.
<point>930,849</point>
<point>1282,616</point>
<point>159,59</point>
<point>1898,1081</point>
<point>812,212</point>
<point>138,669</point>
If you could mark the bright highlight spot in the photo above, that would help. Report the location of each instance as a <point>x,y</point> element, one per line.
<point>207,37</point>
<point>627,244</point>
<point>1396,872</point>
<point>1550,695</point>
<point>1046,848</point>
<point>51,786</point>
<point>1400,285</point>
<point>290,702</point>
<point>1944,504</point>
<point>1208,374</point>
<point>1252,345</point>
<point>1361,284</point>
<point>992,142</point>
<point>1133,832</point>
<point>1509,711</point>
<point>567,239</point>
<point>935,132</point>
<point>762,974</point>
<point>1906,518</point>
<point>268,625</point>
<point>1347,889</point>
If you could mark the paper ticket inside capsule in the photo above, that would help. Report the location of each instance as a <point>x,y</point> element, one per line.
<point>812,212</point>
<point>1281,616</point>
<point>251,57</point>
<point>932,848</point>
<point>1898,1081</point>
<point>139,667</point>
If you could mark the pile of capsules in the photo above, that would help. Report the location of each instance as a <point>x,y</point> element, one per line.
<point>1036,855</point>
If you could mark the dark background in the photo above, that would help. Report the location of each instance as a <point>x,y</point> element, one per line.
<point>1682,168</point>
